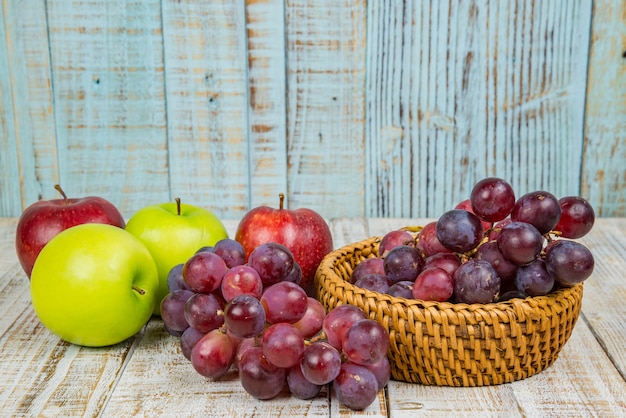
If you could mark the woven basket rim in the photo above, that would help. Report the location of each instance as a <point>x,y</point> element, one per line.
<point>327,266</point>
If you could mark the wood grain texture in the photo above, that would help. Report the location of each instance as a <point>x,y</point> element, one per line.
<point>267,104</point>
<point>28,142</point>
<point>604,163</point>
<point>206,78</point>
<point>107,73</point>
<point>460,92</point>
<point>325,47</point>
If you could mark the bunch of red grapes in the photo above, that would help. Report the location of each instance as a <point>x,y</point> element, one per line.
<point>492,247</point>
<point>252,316</point>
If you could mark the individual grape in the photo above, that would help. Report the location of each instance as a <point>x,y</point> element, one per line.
<point>540,209</point>
<point>188,339</point>
<point>427,241</point>
<point>244,316</point>
<point>570,263</point>
<point>320,363</point>
<point>489,252</point>
<point>373,265</point>
<point>284,302</point>
<point>492,199</point>
<point>204,312</point>
<point>295,275</point>
<point>173,310</point>
<point>577,217</point>
<point>434,284</point>
<point>173,332</point>
<point>242,347</point>
<point>520,243</point>
<point>381,370</point>
<point>393,239</point>
<point>282,345</point>
<point>338,321</point>
<point>467,205</point>
<point>446,261</point>
<point>299,386</point>
<point>366,342</point>
<point>241,280</point>
<point>403,263</point>
<point>355,387</point>
<point>175,279</point>
<point>533,279</point>
<point>401,289</point>
<point>311,323</point>
<point>231,251</point>
<point>374,282</point>
<point>203,272</point>
<point>272,261</point>
<point>459,230</point>
<point>213,354</point>
<point>258,376</point>
<point>205,248</point>
<point>476,282</point>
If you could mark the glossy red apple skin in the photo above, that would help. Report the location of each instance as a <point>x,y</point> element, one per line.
<point>303,231</point>
<point>43,220</point>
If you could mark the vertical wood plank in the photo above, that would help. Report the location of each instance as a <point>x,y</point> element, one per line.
<point>267,117</point>
<point>457,93</point>
<point>206,79</point>
<point>326,105</point>
<point>604,166</point>
<point>28,158</point>
<point>107,69</point>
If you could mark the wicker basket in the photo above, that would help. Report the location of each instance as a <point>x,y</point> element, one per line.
<point>449,344</point>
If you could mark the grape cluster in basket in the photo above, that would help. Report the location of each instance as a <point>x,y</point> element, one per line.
<point>254,317</point>
<point>492,247</point>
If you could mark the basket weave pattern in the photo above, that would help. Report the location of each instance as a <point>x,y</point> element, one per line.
<point>447,344</point>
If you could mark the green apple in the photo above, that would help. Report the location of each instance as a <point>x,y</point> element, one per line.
<point>173,232</point>
<point>94,285</point>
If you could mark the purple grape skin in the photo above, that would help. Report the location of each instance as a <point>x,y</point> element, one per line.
<point>492,199</point>
<point>382,371</point>
<point>446,261</point>
<point>489,252</point>
<point>570,263</point>
<point>173,310</point>
<point>403,262</point>
<point>393,239</point>
<point>299,386</point>
<point>401,289</point>
<point>540,209</point>
<point>368,266</point>
<point>476,281</point>
<point>533,279</point>
<point>175,279</point>
<point>202,312</point>
<point>356,386</point>
<point>272,261</point>
<point>520,242</point>
<point>459,230</point>
<point>374,282</point>
<point>188,339</point>
<point>230,251</point>
<point>259,377</point>
<point>577,217</point>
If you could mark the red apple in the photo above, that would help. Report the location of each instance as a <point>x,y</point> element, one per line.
<point>43,220</point>
<point>302,230</point>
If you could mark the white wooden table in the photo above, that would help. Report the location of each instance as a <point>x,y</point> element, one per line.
<point>148,376</point>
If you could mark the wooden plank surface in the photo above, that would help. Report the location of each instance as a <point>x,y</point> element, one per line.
<point>458,93</point>
<point>108,91</point>
<point>147,375</point>
<point>605,129</point>
<point>325,47</point>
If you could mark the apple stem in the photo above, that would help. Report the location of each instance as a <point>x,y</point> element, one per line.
<point>139,290</point>
<point>60,190</point>
<point>177,205</point>
<point>281,202</point>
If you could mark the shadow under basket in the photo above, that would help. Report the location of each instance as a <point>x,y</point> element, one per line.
<point>455,344</point>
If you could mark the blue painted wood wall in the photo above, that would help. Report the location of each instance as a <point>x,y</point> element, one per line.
<point>353,108</point>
